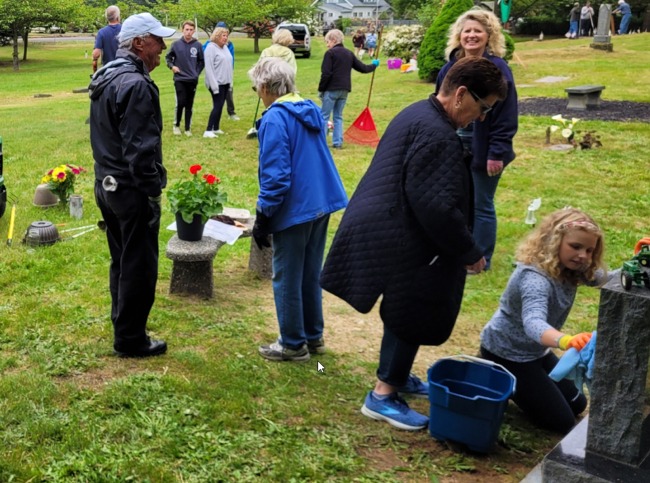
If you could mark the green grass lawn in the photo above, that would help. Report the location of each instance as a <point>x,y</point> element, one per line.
<point>212,409</point>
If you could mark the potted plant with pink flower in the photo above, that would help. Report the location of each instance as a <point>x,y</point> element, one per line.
<point>60,180</point>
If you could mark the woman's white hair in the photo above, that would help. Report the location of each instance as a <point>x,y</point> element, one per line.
<point>275,75</point>
<point>334,35</point>
<point>282,37</point>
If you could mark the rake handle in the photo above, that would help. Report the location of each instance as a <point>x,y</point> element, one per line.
<point>372,79</point>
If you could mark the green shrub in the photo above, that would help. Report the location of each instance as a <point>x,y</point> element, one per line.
<point>432,52</point>
<point>510,45</point>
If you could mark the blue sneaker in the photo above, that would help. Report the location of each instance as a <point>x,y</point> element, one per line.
<point>414,387</point>
<point>394,410</point>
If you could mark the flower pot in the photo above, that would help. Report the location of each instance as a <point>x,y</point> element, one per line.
<point>189,231</point>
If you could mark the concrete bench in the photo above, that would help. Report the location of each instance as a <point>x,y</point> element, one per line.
<point>192,265</point>
<point>584,97</point>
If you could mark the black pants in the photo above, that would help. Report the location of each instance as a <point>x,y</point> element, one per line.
<point>230,103</point>
<point>133,245</point>
<point>396,358</point>
<point>185,92</point>
<point>551,405</point>
<point>218,100</point>
<point>585,26</point>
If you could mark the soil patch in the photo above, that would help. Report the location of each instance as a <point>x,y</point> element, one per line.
<point>608,110</point>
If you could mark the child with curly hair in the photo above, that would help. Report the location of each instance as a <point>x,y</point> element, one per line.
<point>565,251</point>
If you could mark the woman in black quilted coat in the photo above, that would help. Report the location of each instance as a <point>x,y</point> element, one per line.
<point>405,234</point>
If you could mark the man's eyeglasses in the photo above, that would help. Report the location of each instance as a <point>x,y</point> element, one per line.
<point>485,108</point>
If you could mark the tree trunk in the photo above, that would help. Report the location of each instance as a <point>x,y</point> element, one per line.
<point>14,38</point>
<point>25,37</point>
<point>256,43</point>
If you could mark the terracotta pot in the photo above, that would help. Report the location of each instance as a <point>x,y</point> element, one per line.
<point>189,231</point>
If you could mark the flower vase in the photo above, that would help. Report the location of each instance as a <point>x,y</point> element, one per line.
<point>189,231</point>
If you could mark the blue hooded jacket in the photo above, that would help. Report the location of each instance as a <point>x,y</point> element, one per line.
<point>298,179</point>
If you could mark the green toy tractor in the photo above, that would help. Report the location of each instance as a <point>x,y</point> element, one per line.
<point>633,272</point>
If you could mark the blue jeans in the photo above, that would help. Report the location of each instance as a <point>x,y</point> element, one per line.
<point>297,263</point>
<point>485,215</point>
<point>333,103</point>
<point>573,27</point>
<point>625,23</point>
<point>395,359</point>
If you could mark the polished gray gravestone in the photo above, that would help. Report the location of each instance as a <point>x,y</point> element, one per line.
<point>602,39</point>
<point>613,443</point>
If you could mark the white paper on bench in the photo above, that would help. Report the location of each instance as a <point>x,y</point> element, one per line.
<point>219,231</point>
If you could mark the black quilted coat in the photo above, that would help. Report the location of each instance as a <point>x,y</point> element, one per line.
<point>405,233</point>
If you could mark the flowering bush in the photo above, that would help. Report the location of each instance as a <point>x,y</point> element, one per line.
<point>197,196</point>
<point>402,40</point>
<point>566,127</point>
<point>60,180</point>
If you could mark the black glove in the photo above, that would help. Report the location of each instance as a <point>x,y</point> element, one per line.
<point>261,230</point>
<point>154,204</point>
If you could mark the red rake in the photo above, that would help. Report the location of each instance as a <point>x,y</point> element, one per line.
<point>363,130</point>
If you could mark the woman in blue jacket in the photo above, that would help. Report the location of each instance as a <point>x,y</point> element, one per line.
<point>299,188</point>
<point>478,33</point>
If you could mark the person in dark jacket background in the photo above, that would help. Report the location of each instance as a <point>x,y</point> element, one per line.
<point>185,59</point>
<point>405,234</point>
<point>478,33</point>
<point>125,135</point>
<point>336,81</point>
<point>299,188</point>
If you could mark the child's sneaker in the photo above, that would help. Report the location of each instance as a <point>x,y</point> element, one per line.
<point>414,387</point>
<point>277,352</point>
<point>394,410</point>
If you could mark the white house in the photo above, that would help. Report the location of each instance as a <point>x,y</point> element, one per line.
<point>332,10</point>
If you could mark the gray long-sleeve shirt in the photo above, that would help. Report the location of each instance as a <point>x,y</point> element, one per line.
<point>531,304</point>
<point>218,67</point>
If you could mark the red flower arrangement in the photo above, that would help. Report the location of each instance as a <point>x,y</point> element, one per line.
<point>199,195</point>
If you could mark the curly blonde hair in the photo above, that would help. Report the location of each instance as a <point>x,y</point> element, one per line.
<point>496,44</point>
<point>542,247</point>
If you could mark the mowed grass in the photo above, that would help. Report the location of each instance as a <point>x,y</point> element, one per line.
<point>212,409</point>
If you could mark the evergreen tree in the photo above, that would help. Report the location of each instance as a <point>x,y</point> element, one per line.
<point>432,51</point>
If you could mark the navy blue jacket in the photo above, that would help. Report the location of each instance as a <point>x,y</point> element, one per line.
<point>405,235</point>
<point>493,136</point>
<point>188,57</point>
<point>336,69</point>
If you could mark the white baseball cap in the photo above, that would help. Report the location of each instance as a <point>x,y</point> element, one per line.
<point>140,24</point>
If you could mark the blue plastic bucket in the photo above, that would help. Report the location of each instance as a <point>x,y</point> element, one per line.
<point>468,398</point>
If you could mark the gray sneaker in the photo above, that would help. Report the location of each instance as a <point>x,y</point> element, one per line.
<point>277,352</point>
<point>316,346</point>
<point>234,117</point>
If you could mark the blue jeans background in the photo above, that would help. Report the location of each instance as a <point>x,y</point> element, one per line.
<point>297,263</point>
<point>573,28</point>
<point>625,23</point>
<point>395,359</point>
<point>333,103</point>
<point>485,215</point>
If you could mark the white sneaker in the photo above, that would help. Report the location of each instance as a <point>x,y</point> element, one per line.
<point>234,117</point>
<point>209,134</point>
<point>218,132</point>
<point>177,131</point>
<point>188,133</point>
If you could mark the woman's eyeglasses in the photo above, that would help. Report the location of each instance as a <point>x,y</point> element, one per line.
<point>485,108</point>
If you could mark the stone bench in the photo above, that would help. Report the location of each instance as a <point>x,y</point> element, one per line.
<point>192,265</point>
<point>584,97</point>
